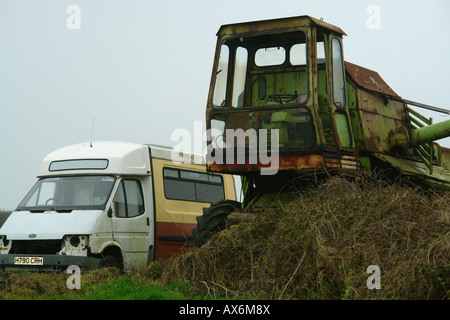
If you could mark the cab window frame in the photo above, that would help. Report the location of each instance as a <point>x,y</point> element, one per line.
<point>252,46</point>
<point>338,74</point>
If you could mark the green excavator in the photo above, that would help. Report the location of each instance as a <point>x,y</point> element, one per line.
<point>284,104</point>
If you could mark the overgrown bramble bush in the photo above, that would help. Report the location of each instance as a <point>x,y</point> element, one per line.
<point>319,245</point>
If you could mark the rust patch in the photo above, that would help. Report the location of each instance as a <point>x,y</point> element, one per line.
<point>312,161</point>
<point>368,79</point>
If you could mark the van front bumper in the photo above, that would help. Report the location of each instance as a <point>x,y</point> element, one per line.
<point>45,262</point>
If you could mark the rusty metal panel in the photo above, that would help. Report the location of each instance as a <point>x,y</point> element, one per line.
<point>379,107</point>
<point>380,119</point>
<point>292,162</point>
<point>368,79</point>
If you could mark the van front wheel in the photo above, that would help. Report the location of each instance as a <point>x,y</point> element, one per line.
<point>109,262</point>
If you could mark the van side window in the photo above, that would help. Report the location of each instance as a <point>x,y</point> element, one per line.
<point>193,186</point>
<point>128,201</point>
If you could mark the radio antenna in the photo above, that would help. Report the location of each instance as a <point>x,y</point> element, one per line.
<point>92,130</point>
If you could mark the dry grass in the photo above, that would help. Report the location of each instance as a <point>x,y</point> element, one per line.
<point>320,245</point>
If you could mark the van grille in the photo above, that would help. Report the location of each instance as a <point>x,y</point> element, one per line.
<point>35,247</point>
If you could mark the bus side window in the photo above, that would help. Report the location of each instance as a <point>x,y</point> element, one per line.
<point>193,186</point>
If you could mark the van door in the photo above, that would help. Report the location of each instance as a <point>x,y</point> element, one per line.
<point>131,222</point>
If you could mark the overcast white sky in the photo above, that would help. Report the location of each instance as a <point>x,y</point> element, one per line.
<point>142,68</point>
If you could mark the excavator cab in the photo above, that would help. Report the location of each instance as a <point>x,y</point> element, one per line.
<point>285,76</point>
<point>281,95</point>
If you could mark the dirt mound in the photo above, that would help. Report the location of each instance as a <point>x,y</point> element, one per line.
<point>320,246</point>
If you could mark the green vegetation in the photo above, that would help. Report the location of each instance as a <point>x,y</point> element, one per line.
<point>318,246</point>
<point>104,284</point>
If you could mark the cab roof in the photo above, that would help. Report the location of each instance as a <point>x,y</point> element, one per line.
<point>275,25</point>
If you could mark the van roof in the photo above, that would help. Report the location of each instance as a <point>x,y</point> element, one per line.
<point>125,158</point>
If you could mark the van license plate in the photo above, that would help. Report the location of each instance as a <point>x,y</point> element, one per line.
<point>31,261</point>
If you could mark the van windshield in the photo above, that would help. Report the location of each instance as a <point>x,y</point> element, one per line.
<point>69,193</point>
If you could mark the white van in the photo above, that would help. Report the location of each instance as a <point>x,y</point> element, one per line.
<point>109,203</point>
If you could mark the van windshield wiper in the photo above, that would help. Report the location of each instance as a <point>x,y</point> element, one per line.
<point>63,210</point>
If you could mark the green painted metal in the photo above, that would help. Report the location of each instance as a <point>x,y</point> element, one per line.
<point>431,133</point>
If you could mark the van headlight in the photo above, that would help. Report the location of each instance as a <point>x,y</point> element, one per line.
<point>5,245</point>
<point>75,245</point>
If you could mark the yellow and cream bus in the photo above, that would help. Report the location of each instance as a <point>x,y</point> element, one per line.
<point>109,203</point>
